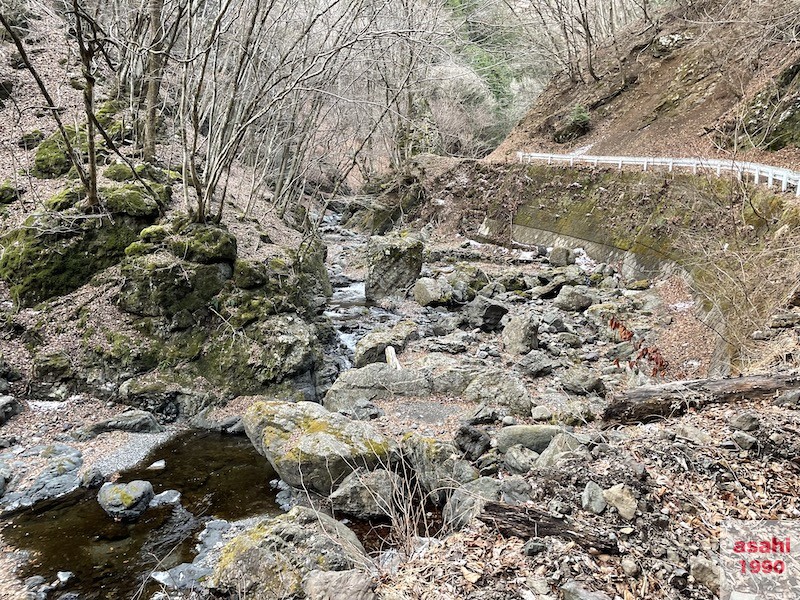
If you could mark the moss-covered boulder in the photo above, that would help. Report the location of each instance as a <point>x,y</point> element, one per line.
<point>133,199</point>
<point>274,558</point>
<point>161,285</point>
<point>66,198</point>
<point>205,244</point>
<point>54,253</point>
<point>31,139</point>
<point>9,192</point>
<point>271,350</point>
<point>310,447</point>
<point>52,158</point>
<point>118,172</point>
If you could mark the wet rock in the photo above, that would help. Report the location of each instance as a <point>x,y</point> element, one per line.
<point>580,380</point>
<point>310,447</point>
<point>500,388</point>
<point>533,437</point>
<point>705,572</point>
<point>125,501</point>
<point>165,498</point>
<point>520,460</point>
<point>9,406</point>
<point>621,497</point>
<point>468,501</point>
<point>367,494</point>
<point>394,264</point>
<point>592,498</point>
<point>484,313</point>
<point>92,478</point>
<point>573,299</point>
<point>438,465</point>
<point>274,557</point>
<point>561,446</point>
<point>339,585</point>
<point>372,347</point>
<point>472,442</point>
<point>561,257</point>
<point>59,477</point>
<point>520,335</point>
<point>134,421</point>
<point>745,422</point>
<point>432,292</point>
<point>535,364</point>
<point>573,590</point>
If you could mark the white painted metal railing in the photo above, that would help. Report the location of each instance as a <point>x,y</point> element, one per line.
<point>760,174</point>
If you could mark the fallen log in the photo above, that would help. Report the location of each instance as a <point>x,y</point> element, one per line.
<point>527,522</point>
<point>652,402</point>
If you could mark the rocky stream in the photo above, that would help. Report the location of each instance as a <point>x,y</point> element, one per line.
<point>456,377</point>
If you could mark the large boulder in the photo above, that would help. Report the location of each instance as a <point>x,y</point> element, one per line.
<point>573,299</point>
<point>310,447</point>
<point>372,347</point>
<point>160,284</point>
<point>274,558</point>
<point>485,313</point>
<point>581,380</point>
<point>520,335</point>
<point>9,406</point>
<point>499,388</point>
<point>437,465</point>
<point>54,253</point>
<point>125,501</point>
<point>59,477</point>
<point>432,292</point>
<point>394,264</point>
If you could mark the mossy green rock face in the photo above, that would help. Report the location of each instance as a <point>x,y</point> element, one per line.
<point>55,253</point>
<point>118,172</point>
<point>9,192</point>
<point>162,285</point>
<point>272,559</point>
<point>131,199</point>
<point>310,447</point>
<point>66,198</point>
<point>268,351</point>
<point>205,244</point>
<point>51,159</point>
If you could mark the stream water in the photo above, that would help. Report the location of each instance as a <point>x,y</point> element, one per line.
<point>217,476</point>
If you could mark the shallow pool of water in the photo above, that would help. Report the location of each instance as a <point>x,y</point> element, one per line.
<point>219,476</point>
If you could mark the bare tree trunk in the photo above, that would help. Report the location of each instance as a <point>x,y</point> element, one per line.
<point>87,49</point>
<point>155,63</point>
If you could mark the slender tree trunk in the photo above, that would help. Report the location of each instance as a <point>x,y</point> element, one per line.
<point>155,62</point>
<point>87,49</point>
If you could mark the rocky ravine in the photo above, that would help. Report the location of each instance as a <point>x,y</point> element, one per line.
<point>506,361</point>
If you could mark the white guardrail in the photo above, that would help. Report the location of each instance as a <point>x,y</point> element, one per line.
<point>760,174</point>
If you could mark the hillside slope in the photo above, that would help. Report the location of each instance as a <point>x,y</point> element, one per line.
<point>711,80</point>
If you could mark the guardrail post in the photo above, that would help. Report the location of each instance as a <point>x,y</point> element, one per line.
<point>671,162</point>
<point>797,188</point>
<point>785,185</point>
<point>619,166</point>
<point>756,176</point>
<point>644,165</point>
<point>719,170</point>
<point>549,159</point>
<point>694,168</point>
<point>739,173</point>
<point>771,178</point>
<point>571,161</point>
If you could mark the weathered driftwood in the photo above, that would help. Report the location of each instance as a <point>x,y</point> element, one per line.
<point>651,402</point>
<point>527,522</point>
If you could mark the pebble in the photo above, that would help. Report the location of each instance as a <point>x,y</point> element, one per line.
<point>629,567</point>
<point>509,420</point>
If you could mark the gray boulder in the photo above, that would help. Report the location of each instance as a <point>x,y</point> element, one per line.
<point>394,264</point>
<point>500,388</point>
<point>135,421</point>
<point>561,446</point>
<point>472,442</point>
<point>534,437</point>
<point>520,335</point>
<point>573,590</point>
<point>273,558</point>
<point>485,313</point>
<point>355,390</point>
<point>573,299</point>
<point>468,501</point>
<point>561,257</point>
<point>367,494</point>
<point>580,380</point>
<point>58,478</point>
<point>125,501</point>
<point>520,460</point>
<point>535,363</point>
<point>437,465</point>
<point>432,292</point>
<point>310,447</point>
<point>372,347</point>
<point>9,406</point>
